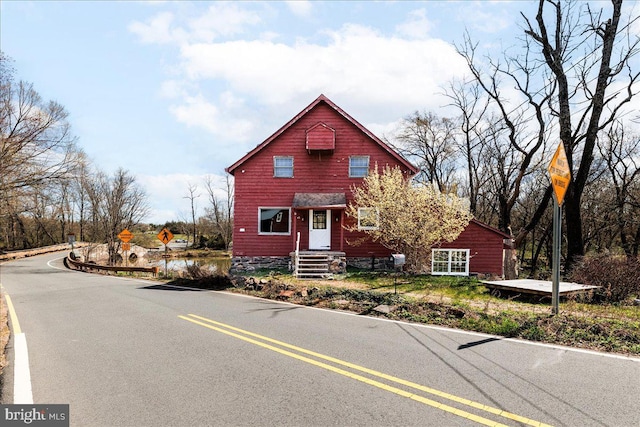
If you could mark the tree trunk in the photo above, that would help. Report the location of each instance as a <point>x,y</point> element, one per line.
<point>511,270</point>
<point>575,242</point>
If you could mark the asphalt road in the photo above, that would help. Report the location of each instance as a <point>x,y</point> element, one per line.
<point>126,352</point>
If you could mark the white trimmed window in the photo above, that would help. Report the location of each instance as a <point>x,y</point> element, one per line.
<point>274,221</point>
<point>368,219</point>
<point>358,166</point>
<point>450,262</point>
<point>283,166</point>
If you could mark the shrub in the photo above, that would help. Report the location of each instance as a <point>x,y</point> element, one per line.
<point>618,277</point>
<point>196,271</point>
<point>211,242</point>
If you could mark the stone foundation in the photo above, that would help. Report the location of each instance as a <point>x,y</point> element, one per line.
<point>370,263</point>
<point>337,265</point>
<point>245,264</point>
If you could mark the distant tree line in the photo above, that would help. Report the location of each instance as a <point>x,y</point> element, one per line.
<point>48,187</point>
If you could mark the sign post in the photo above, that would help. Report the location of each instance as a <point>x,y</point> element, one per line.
<point>560,178</point>
<point>126,236</point>
<point>71,238</point>
<point>165,235</point>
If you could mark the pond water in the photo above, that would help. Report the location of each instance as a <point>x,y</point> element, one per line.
<point>220,265</point>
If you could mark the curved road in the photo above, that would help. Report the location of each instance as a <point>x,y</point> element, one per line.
<point>127,352</point>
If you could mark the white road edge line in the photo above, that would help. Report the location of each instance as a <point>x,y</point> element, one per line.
<point>53,266</point>
<point>440,328</point>
<point>22,392</point>
<point>457,331</point>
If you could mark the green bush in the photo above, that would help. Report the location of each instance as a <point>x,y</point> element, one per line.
<point>618,277</point>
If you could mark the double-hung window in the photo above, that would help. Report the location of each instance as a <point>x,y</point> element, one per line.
<point>283,166</point>
<point>450,262</point>
<point>358,166</point>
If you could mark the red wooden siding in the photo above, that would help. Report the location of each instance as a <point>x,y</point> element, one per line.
<point>314,172</point>
<point>485,246</point>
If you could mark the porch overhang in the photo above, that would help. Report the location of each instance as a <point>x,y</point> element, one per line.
<point>320,201</point>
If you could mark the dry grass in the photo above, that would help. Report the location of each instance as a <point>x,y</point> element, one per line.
<point>4,333</point>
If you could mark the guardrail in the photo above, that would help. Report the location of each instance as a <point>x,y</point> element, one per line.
<point>37,251</point>
<point>88,266</point>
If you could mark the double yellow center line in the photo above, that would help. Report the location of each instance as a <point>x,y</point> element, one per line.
<point>270,344</point>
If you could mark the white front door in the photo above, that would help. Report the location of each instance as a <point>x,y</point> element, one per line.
<point>320,229</point>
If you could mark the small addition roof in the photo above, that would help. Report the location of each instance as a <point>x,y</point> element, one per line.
<point>319,200</point>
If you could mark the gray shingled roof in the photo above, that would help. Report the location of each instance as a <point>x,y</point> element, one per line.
<point>319,200</point>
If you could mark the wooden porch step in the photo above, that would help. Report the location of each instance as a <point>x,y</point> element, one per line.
<point>313,266</point>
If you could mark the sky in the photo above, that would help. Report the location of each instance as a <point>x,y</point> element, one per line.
<point>175,91</point>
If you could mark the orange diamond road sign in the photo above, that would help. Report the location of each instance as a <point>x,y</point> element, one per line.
<point>559,173</point>
<point>125,235</point>
<point>165,236</point>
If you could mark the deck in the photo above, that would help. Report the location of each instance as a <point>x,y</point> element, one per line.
<point>538,287</point>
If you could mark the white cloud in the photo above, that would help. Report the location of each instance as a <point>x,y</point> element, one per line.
<point>220,20</point>
<point>173,89</point>
<point>300,8</point>
<point>486,20</point>
<point>416,26</point>
<point>198,111</point>
<point>269,36</point>
<point>158,30</point>
<point>357,61</point>
<point>223,85</point>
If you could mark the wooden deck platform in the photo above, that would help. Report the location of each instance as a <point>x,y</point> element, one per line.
<point>537,287</point>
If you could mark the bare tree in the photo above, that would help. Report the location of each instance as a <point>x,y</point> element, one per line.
<point>468,99</point>
<point>117,203</point>
<point>80,194</point>
<point>582,87</point>
<point>571,61</point>
<point>430,142</point>
<point>37,151</point>
<point>36,144</point>
<point>533,244</point>
<point>513,135</point>
<point>192,196</point>
<point>220,211</point>
<point>621,153</point>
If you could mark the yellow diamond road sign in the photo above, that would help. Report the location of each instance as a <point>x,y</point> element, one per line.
<point>165,236</point>
<point>559,173</point>
<point>125,235</point>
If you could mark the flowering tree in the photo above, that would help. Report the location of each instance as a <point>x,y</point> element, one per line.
<point>404,217</point>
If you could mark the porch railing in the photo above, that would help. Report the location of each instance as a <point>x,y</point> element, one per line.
<point>296,256</point>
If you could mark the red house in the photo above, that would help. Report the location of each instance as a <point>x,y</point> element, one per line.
<point>291,192</point>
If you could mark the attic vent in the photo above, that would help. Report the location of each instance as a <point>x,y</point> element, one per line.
<point>321,137</point>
